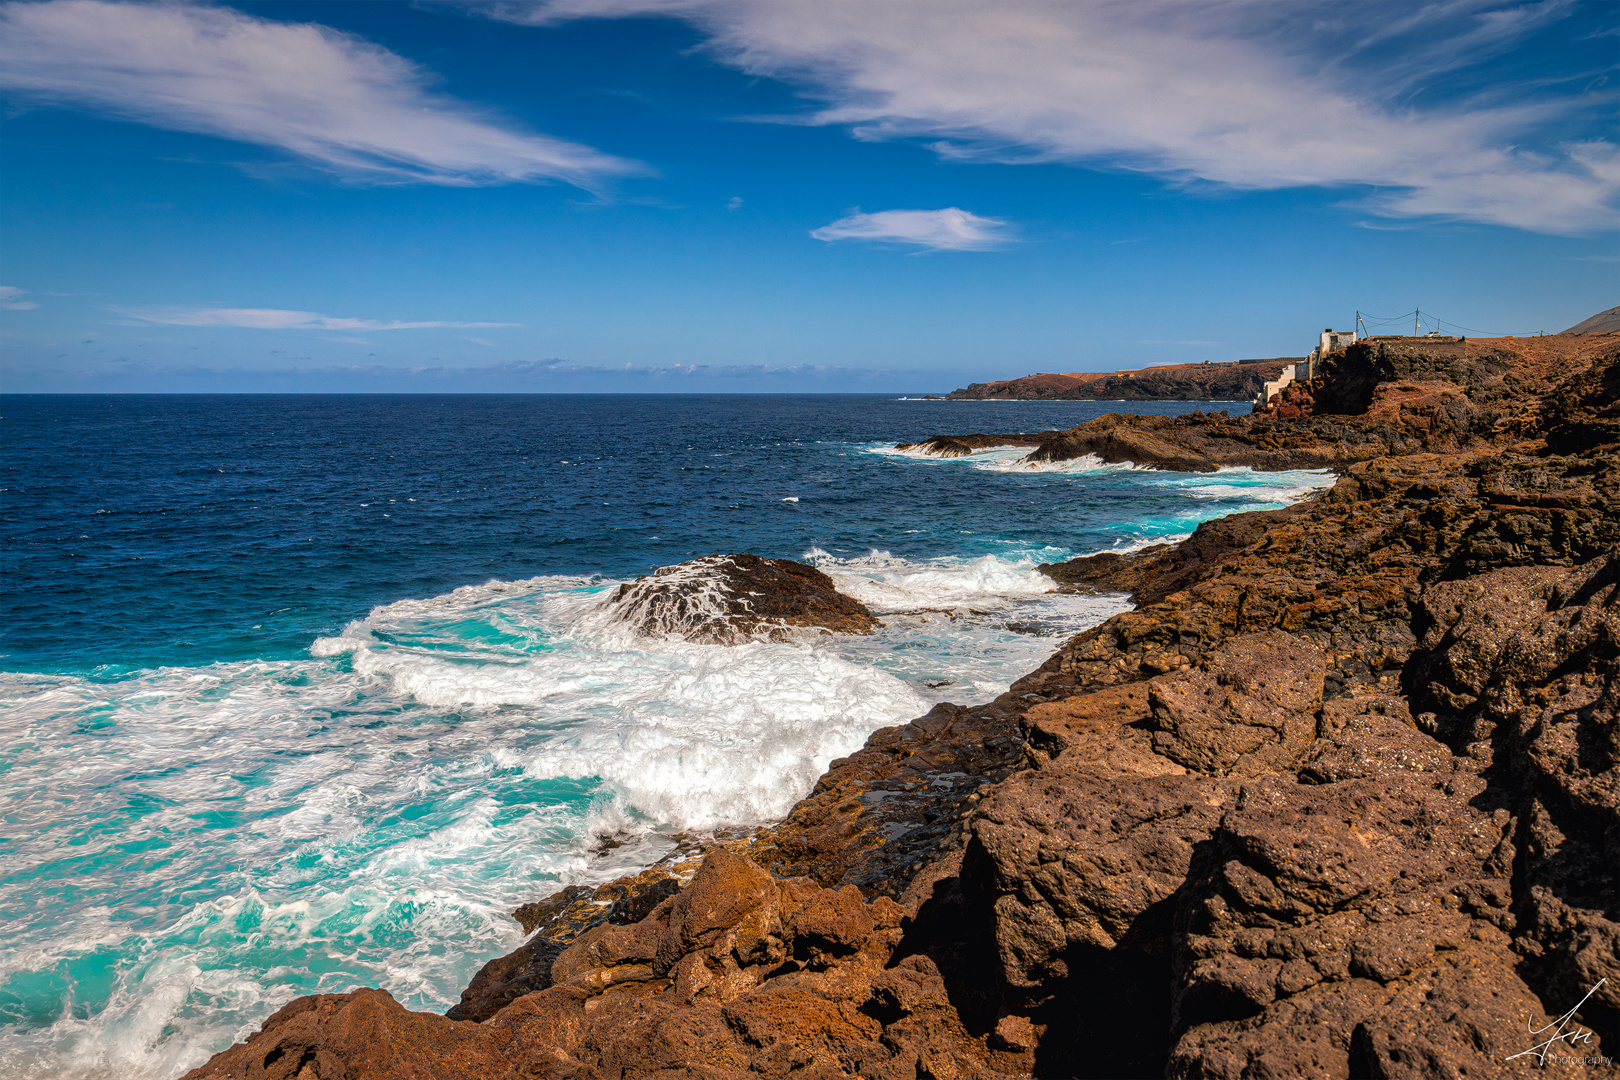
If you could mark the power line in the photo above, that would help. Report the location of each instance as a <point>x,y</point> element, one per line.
<point>1471,330</point>
<point>1417,316</point>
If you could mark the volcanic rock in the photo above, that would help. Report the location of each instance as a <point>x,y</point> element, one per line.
<point>739,973</point>
<point>1168,382</point>
<point>361,1034</point>
<point>725,599</point>
<point>1152,573</point>
<point>963,445</point>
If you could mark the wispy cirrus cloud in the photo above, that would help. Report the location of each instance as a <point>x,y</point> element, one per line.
<point>11,299</point>
<point>950,229</point>
<point>1247,95</point>
<point>281,319</point>
<point>330,98</point>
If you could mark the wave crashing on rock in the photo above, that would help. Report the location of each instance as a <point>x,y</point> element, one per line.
<point>726,599</point>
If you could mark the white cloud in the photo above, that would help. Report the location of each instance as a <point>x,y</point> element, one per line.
<point>330,98</point>
<point>9,299</point>
<point>279,319</point>
<point>950,229</point>
<point>1249,95</point>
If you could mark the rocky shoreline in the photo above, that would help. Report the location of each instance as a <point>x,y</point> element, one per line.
<point>1340,797</point>
<point>1230,381</point>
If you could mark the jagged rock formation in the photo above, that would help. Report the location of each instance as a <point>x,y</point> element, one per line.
<point>1341,797</point>
<point>723,599</point>
<point>1238,381</point>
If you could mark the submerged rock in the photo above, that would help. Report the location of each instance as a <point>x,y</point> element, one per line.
<point>725,599</point>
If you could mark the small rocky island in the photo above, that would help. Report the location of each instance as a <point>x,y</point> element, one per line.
<point>1339,798</point>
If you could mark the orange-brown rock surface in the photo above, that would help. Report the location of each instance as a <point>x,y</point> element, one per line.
<point>1339,798</point>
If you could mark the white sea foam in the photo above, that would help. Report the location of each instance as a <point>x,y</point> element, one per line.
<point>965,623</point>
<point>887,584</point>
<point>916,451</point>
<point>1271,487</point>
<point>1007,459</point>
<point>732,734</point>
<point>688,734</point>
<point>1017,461</point>
<point>1251,488</point>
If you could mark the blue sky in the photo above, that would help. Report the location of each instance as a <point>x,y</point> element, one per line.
<point>781,195</point>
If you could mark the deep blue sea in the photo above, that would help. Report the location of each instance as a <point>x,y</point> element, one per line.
<point>307,692</point>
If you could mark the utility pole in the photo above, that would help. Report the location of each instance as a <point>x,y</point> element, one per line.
<point>1417,314</point>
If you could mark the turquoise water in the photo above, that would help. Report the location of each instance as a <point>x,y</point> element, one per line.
<point>271,727</point>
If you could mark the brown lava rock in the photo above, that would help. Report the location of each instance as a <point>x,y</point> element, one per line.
<point>740,973</point>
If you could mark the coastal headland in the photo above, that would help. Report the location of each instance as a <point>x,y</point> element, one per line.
<point>1233,381</point>
<point>1339,797</point>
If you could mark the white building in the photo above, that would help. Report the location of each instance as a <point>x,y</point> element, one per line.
<point>1290,372</point>
<point>1304,372</point>
<point>1331,340</point>
<point>1336,339</point>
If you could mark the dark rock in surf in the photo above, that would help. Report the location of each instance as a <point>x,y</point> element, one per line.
<point>963,445</point>
<point>726,599</point>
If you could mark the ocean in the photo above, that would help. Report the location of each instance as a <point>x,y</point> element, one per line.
<point>303,693</point>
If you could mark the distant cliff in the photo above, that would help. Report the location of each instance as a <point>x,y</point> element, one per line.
<point>1237,381</point>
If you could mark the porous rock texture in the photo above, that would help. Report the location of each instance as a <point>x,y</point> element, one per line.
<point>1339,798</point>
